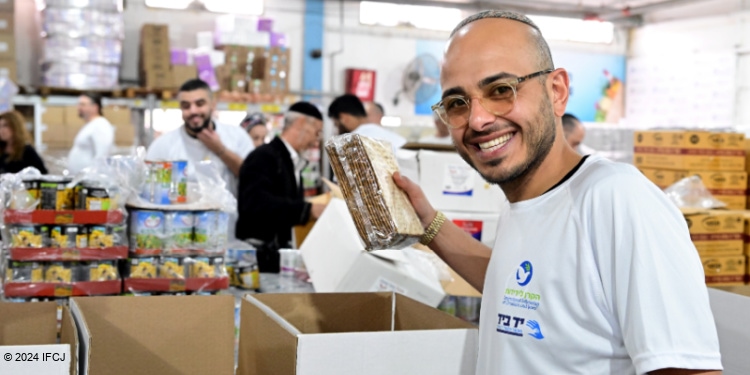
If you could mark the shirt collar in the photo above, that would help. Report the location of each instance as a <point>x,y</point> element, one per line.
<point>292,152</point>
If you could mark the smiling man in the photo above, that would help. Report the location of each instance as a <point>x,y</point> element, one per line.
<point>593,270</point>
<point>201,138</point>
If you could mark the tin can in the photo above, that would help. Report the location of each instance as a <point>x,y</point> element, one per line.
<point>34,236</point>
<point>467,308</point>
<point>63,236</point>
<point>221,232</point>
<point>143,268</point>
<point>59,272</point>
<point>101,236</point>
<point>82,237</point>
<point>205,229</point>
<point>146,232</point>
<point>244,275</point>
<point>178,186</point>
<point>448,305</point>
<point>27,272</point>
<point>172,268</point>
<point>158,181</point>
<point>55,195</point>
<point>201,267</point>
<point>178,230</point>
<point>92,196</point>
<point>103,270</point>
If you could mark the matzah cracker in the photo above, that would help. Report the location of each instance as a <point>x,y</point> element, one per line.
<point>382,213</point>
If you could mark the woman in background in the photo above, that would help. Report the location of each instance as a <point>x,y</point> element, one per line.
<point>255,125</point>
<point>17,153</point>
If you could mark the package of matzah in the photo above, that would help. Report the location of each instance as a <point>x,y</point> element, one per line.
<point>364,167</point>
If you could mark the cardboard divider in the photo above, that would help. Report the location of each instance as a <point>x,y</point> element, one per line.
<point>60,254</point>
<point>351,333</point>
<point>165,335</point>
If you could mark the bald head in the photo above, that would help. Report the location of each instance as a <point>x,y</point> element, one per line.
<point>543,54</point>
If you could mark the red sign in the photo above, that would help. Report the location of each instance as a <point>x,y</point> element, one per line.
<point>361,83</point>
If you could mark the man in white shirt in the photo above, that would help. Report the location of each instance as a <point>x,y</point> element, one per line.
<point>95,139</point>
<point>201,138</point>
<point>593,270</point>
<point>349,116</point>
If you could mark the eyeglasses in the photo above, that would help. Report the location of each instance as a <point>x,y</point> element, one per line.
<point>498,98</point>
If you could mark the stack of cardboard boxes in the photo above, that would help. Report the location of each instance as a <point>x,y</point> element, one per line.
<point>668,156</point>
<point>718,236</point>
<point>7,41</point>
<point>63,123</point>
<point>155,57</point>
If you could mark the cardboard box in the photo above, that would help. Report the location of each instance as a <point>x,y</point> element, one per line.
<point>158,79</point>
<point>8,69</point>
<point>25,324</point>
<point>155,335</point>
<point>724,271</point>
<point>154,32</point>
<point>746,232</point>
<point>689,149</point>
<point>238,83</point>
<point>56,132</point>
<point>7,5</point>
<point>716,233</point>
<point>729,187</point>
<point>337,262</point>
<point>7,47</point>
<point>72,120</point>
<point>120,118</point>
<point>452,185</point>
<point>358,333</point>
<point>7,23</point>
<point>481,226</point>
<point>223,76</point>
<point>182,74</point>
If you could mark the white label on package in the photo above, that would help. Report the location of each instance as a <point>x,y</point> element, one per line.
<point>458,180</point>
<point>35,359</point>
<point>383,285</point>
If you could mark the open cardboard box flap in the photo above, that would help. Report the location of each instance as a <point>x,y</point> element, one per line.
<point>36,324</point>
<point>351,333</point>
<point>456,286</point>
<point>155,335</point>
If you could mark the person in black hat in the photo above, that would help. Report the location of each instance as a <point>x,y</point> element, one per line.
<point>270,200</point>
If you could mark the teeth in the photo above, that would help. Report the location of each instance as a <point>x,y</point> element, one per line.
<point>495,143</point>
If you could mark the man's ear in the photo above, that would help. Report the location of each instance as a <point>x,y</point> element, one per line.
<point>558,83</point>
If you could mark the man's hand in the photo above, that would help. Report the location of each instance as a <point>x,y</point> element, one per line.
<point>423,208</point>
<point>212,141</point>
<point>317,209</point>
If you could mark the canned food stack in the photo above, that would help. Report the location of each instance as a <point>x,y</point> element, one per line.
<point>466,308</point>
<point>82,45</point>
<point>63,239</point>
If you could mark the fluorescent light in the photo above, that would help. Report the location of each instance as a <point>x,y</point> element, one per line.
<point>575,30</point>
<point>169,4</point>
<point>418,16</point>
<point>391,121</point>
<point>251,7</point>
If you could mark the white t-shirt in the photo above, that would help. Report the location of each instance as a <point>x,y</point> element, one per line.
<point>381,133</point>
<point>597,276</point>
<point>92,142</point>
<point>178,145</point>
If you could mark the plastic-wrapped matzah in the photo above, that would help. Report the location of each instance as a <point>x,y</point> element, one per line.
<point>364,167</point>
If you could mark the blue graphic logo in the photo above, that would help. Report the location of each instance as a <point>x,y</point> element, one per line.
<point>523,273</point>
<point>536,332</point>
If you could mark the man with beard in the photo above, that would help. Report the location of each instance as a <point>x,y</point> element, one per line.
<point>201,138</point>
<point>593,270</point>
<point>348,114</point>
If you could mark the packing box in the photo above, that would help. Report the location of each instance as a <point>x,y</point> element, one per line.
<point>481,226</point>
<point>351,333</point>
<point>7,46</point>
<point>6,22</point>
<point>729,187</point>
<point>746,232</point>
<point>8,69</point>
<point>452,185</point>
<point>336,260</point>
<point>56,132</point>
<point>158,79</point>
<point>155,335</point>
<point>716,233</point>
<point>31,329</point>
<point>724,271</point>
<point>7,5</point>
<point>120,118</point>
<point>182,74</point>
<point>689,149</point>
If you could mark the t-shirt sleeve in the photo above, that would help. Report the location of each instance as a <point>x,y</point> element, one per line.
<point>652,275</point>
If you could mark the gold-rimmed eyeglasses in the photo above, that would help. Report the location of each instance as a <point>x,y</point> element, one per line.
<point>498,98</point>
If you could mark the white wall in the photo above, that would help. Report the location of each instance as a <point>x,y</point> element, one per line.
<point>388,51</point>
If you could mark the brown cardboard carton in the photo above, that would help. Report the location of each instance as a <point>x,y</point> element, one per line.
<point>55,134</point>
<point>72,119</point>
<point>689,149</point>
<point>729,187</point>
<point>182,74</point>
<point>8,69</point>
<point>351,333</point>
<point>7,23</point>
<point>7,5</point>
<point>155,32</point>
<point>716,233</point>
<point>156,335</point>
<point>120,118</point>
<point>36,324</point>
<point>238,83</point>
<point>158,79</point>
<point>724,271</point>
<point>7,47</point>
<point>223,76</point>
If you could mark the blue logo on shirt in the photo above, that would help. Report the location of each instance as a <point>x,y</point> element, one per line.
<point>524,273</point>
<point>536,332</point>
